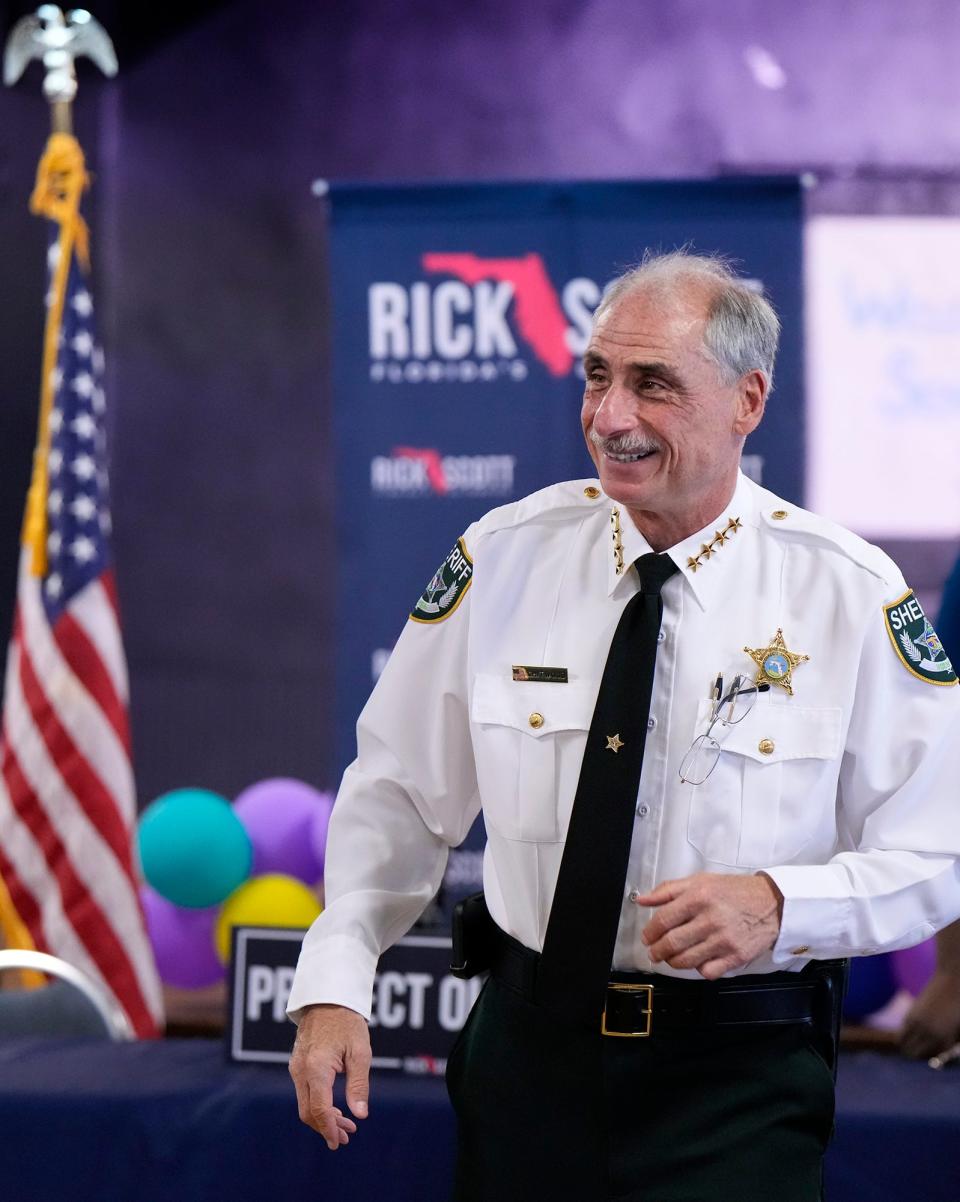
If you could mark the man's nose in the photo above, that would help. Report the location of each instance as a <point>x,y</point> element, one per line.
<point>616,413</point>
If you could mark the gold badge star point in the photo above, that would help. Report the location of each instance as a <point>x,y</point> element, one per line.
<point>614,743</point>
<point>776,662</point>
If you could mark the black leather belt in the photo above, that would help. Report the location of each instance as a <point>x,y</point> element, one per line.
<point>640,1004</point>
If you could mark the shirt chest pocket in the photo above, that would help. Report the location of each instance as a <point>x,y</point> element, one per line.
<point>773,786</point>
<point>528,741</point>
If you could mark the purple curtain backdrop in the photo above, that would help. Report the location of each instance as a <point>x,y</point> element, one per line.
<point>210,265</point>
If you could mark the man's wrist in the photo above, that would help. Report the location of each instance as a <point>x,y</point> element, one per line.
<point>775,892</point>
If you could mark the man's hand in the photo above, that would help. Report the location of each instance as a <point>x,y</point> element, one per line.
<point>933,1022</point>
<point>331,1040</point>
<point>712,922</point>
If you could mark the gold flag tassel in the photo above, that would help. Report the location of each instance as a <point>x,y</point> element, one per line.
<point>61,181</point>
<point>16,935</point>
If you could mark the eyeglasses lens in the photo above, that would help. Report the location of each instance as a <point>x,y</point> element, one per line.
<point>700,760</point>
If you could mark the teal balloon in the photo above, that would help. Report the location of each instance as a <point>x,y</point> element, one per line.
<point>194,850</point>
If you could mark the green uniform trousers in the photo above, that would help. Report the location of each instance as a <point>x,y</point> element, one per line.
<point>554,1112</point>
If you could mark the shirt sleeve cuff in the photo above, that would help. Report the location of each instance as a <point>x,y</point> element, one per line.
<point>338,971</point>
<point>816,913</point>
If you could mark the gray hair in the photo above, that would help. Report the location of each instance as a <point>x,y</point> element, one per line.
<point>742,329</point>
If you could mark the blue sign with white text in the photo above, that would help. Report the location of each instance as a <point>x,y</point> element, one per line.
<point>460,317</point>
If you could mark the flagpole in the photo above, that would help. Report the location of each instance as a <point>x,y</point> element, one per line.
<point>61,117</point>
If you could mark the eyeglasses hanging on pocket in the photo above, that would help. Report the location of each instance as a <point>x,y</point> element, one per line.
<point>728,709</point>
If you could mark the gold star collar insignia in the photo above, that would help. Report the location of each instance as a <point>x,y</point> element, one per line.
<point>614,743</point>
<point>708,550</point>
<point>776,662</point>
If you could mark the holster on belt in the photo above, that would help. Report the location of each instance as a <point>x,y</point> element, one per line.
<point>832,977</point>
<point>474,937</point>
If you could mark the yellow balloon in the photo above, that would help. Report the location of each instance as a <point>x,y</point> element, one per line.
<point>273,900</point>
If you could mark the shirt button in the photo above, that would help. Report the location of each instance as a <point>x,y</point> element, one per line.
<point>536,721</point>
<point>651,723</point>
<point>661,635</point>
<point>766,747</point>
<point>643,811</point>
<point>635,895</point>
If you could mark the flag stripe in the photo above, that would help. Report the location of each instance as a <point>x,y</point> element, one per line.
<point>97,803</point>
<point>109,583</point>
<point>88,920</point>
<point>24,901</point>
<point>78,712</point>
<point>35,892</point>
<point>96,864</point>
<point>95,610</point>
<point>104,881</point>
<point>86,665</point>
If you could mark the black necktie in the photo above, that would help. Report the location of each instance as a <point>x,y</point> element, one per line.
<point>582,929</point>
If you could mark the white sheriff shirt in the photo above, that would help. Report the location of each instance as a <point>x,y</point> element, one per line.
<point>845,792</point>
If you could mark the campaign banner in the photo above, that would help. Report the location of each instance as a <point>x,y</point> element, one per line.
<point>461,313</point>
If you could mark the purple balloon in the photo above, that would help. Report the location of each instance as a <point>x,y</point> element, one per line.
<point>183,941</point>
<point>279,816</point>
<point>913,966</point>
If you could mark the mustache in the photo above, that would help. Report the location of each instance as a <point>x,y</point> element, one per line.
<point>634,443</point>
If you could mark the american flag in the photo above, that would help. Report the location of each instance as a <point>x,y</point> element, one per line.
<point>67,799</point>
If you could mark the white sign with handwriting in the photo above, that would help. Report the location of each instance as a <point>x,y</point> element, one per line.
<point>883,374</point>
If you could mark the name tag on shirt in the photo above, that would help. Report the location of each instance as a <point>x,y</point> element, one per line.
<point>543,675</point>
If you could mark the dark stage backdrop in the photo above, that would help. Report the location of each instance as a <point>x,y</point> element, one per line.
<point>460,316</point>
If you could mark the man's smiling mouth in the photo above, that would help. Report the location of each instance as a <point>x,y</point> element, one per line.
<point>635,458</point>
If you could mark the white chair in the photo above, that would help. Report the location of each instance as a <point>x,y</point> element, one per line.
<point>73,1005</point>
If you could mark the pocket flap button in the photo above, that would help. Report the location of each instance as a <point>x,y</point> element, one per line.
<point>536,721</point>
<point>765,746</point>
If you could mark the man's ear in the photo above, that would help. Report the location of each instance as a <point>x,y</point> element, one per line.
<point>752,390</point>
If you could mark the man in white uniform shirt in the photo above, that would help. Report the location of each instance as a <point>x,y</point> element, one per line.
<point>798,739</point>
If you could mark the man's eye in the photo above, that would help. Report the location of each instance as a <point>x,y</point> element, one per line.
<point>651,385</point>
<point>596,377</point>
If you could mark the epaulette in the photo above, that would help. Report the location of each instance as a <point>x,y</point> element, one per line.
<point>451,581</point>
<point>790,521</point>
<point>556,502</point>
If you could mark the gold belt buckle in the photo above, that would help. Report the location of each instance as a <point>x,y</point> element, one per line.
<point>624,987</point>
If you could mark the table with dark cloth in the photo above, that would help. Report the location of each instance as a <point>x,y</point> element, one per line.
<point>87,1121</point>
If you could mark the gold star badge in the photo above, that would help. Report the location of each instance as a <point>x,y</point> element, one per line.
<point>614,743</point>
<point>776,663</point>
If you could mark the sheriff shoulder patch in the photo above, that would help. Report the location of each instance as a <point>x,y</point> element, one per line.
<point>916,642</point>
<point>447,588</point>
